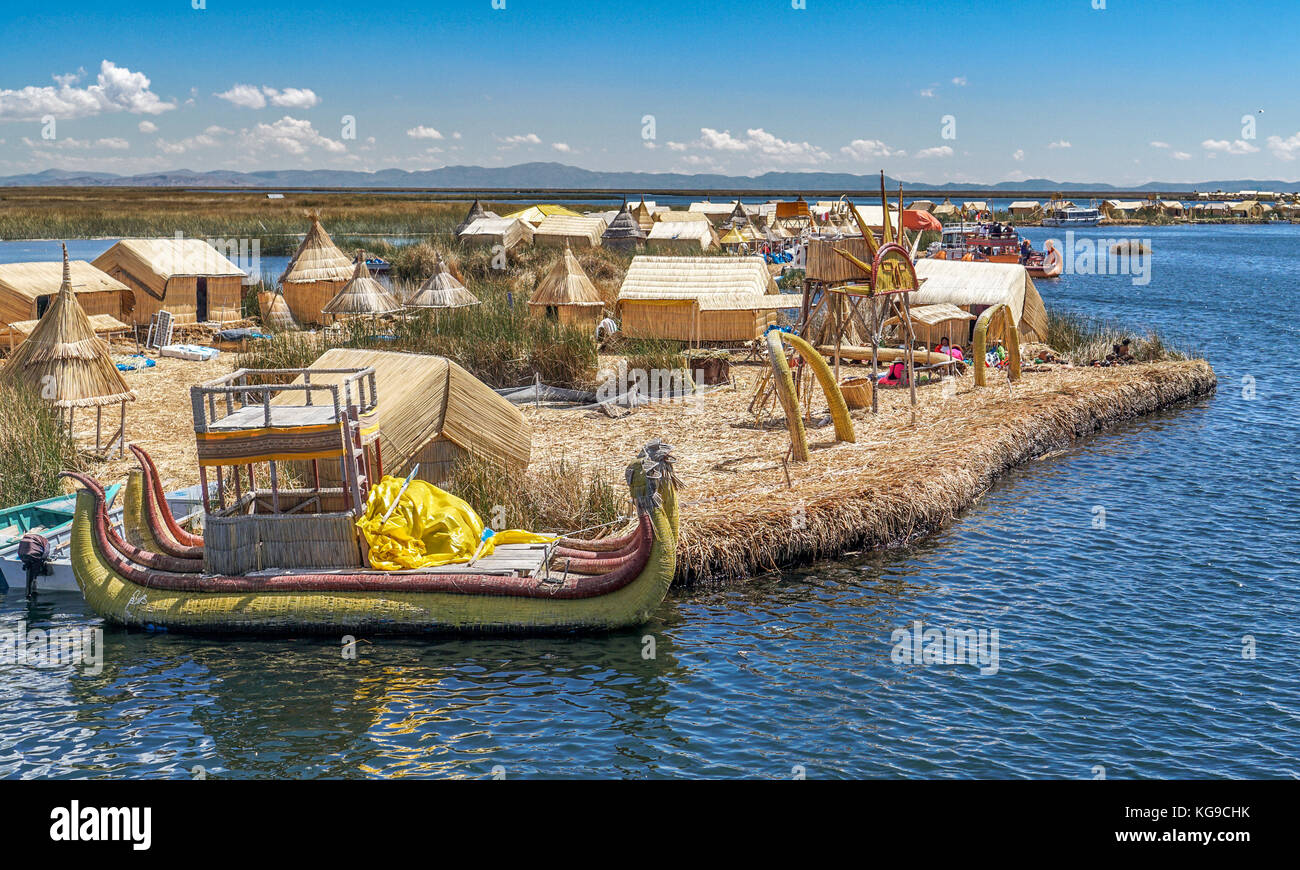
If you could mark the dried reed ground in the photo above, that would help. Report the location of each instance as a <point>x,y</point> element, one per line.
<point>738,516</point>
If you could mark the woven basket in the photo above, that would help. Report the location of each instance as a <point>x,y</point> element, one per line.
<point>857,392</point>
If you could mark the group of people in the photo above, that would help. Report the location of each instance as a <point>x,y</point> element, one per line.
<point>895,375</point>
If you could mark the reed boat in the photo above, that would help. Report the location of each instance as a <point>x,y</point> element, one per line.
<point>250,573</point>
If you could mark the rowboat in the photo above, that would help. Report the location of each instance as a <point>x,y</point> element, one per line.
<point>152,578</point>
<point>52,520</point>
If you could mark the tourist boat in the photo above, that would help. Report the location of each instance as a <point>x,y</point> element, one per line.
<point>985,242</point>
<point>52,520</point>
<point>1073,217</point>
<point>293,561</point>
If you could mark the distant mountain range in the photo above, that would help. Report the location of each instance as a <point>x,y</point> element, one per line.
<point>558,176</point>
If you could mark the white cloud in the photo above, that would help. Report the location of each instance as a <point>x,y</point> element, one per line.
<point>291,135</point>
<point>71,143</point>
<point>255,97</point>
<point>148,127</point>
<point>1181,155</point>
<point>209,138</point>
<point>562,147</point>
<point>1158,144</point>
<point>116,89</point>
<point>423,132</point>
<point>1059,143</point>
<point>524,139</point>
<point>959,81</point>
<point>784,151</point>
<point>1237,146</point>
<point>938,151</point>
<point>1284,149</point>
<point>869,149</point>
<point>1019,155</point>
<point>676,146</point>
<point>724,141</point>
<point>927,92</point>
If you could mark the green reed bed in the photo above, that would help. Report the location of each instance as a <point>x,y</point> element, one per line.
<point>558,495</point>
<point>1080,339</point>
<point>34,447</point>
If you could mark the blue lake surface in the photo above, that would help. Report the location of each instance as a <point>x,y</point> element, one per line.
<point>1121,648</point>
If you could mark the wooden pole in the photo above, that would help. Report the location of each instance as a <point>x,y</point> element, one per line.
<point>839,335</point>
<point>911,355</point>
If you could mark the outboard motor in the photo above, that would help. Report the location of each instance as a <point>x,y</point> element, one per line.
<point>34,553</point>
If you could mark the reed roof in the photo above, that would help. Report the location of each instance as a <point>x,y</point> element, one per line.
<point>164,259</point>
<point>670,216</point>
<point>422,397</point>
<point>966,283</point>
<point>317,259</point>
<point>442,290</point>
<point>714,283</point>
<point>566,284</point>
<point>571,227</point>
<point>275,311</point>
<point>63,359</point>
<point>623,227</point>
<point>932,315</point>
<point>509,230</point>
<point>535,214</point>
<point>476,211</point>
<point>697,231</point>
<point>361,296</point>
<point>33,280</point>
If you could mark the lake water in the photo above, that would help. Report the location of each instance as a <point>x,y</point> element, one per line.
<point>1163,644</point>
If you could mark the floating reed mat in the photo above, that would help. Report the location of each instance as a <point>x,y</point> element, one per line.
<point>909,472</point>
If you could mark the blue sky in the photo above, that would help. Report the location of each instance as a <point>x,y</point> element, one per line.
<point>1140,90</point>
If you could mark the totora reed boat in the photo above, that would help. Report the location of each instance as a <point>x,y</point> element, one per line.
<point>266,563</point>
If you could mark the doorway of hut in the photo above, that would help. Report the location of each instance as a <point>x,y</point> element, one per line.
<point>42,303</point>
<point>201,300</point>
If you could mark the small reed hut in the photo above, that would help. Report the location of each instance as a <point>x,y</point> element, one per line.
<point>674,233</point>
<point>644,214</point>
<point>188,278</point>
<point>442,289</point>
<point>623,232</point>
<point>315,275</point>
<point>973,287</point>
<point>535,214</point>
<point>275,312</point>
<point>567,294</point>
<point>510,233</point>
<point>363,296</point>
<point>699,299</point>
<point>557,231</point>
<point>433,412</point>
<point>476,211</point>
<point>67,364</point>
<point>28,289</point>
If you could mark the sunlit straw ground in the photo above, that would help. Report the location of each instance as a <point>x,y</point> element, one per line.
<point>906,472</point>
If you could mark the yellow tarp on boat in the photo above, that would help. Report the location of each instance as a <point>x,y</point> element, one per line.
<point>430,527</point>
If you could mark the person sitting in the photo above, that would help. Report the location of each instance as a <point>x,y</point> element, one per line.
<point>1025,250</point>
<point>893,377</point>
<point>1123,354</point>
<point>956,353</point>
<point>943,346</point>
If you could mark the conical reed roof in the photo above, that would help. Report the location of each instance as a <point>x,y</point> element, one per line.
<point>442,290</point>
<point>566,284</point>
<point>644,217</point>
<point>624,228</point>
<point>317,258</point>
<point>63,359</point>
<point>362,296</point>
<point>475,212</point>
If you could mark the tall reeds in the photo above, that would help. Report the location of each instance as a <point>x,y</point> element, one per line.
<point>556,496</point>
<point>34,447</point>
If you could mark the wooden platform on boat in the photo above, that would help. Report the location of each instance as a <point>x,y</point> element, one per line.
<point>255,417</point>
<point>508,560</point>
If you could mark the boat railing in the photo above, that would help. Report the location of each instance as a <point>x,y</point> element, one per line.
<point>245,388</point>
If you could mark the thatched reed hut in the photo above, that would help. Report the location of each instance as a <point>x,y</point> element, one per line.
<point>623,232</point>
<point>644,214</point>
<point>946,209</point>
<point>315,274</point>
<point>1025,208</point>
<point>508,232</point>
<point>674,232</point>
<point>700,299</point>
<point>476,211</point>
<point>973,287</point>
<point>28,289</point>
<point>566,293</point>
<point>715,212</point>
<point>186,277</point>
<point>576,231</point>
<point>65,363</point>
<point>442,289</point>
<point>430,411</point>
<point>363,296</point>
